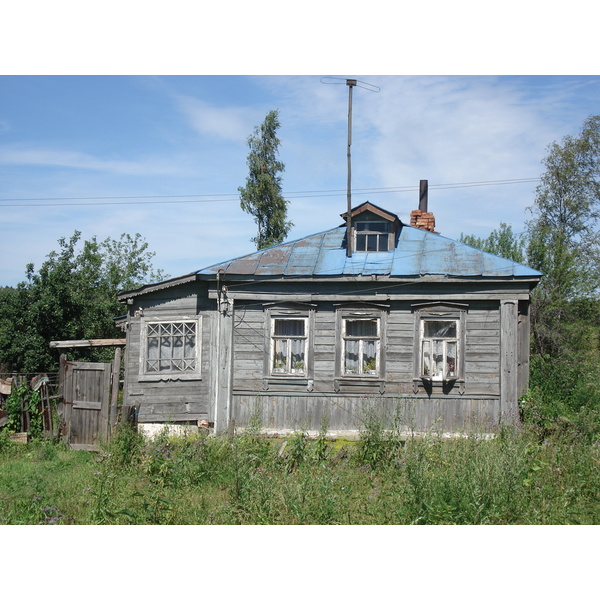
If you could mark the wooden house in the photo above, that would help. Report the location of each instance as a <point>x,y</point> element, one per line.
<point>374,314</point>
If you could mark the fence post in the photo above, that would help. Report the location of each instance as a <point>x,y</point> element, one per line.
<point>114,398</point>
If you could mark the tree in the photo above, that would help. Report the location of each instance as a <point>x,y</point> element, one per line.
<point>564,241</point>
<point>72,296</point>
<point>262,196</point>
<point>502,242</point>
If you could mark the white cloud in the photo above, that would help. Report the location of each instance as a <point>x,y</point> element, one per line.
<point>444,129</point>
<point>230,123</point>
<point>16,155</point>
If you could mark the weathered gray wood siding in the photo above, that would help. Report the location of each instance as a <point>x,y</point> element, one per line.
<point>323,397</point>
<point>482,352</point>
<point>350,413</point>
<point>288,404</point>
<point>170,400</point>
<point>524,335</point>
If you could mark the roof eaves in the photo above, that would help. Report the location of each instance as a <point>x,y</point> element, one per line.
<point>152,287</point>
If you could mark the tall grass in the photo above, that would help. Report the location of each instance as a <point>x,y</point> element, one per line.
<point>250,479</point>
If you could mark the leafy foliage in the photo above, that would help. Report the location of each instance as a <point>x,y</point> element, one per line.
<point>564,241</point>
<point>72,296</point>
<point>502,242</point>
<point>262,196</point>
<point>564,397</point>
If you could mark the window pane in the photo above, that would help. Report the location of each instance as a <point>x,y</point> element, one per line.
<point>165,347</point>
<point>178,346</point>
<point>361,328</point>
<point>438,329</point>
<point>426,358</point>
<point>372,243</point>
<point>369,360</point>
<point>298,355</point>
<point>280,356</point>
<point>438,358</point>
<point>450,359</point>
<point>289,327</point>
<point>190,346</point>
<point>351,358</point>
<point>361,241</point>
<point>372,226</point>
<point>153,348</point>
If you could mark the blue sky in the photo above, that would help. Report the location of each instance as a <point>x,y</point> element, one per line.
<point>163,156</point>
<point>133,118</point>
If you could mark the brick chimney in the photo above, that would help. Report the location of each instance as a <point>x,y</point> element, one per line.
<point>421,219</point>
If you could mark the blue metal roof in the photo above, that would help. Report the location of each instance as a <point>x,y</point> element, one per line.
<point>417,253</point>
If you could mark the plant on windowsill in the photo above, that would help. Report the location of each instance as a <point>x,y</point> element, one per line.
<point>370,366</point>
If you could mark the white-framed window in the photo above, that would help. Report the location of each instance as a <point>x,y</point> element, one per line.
<point>440,342</point>
<point>361,346</point>
<point>289,346</point>
<point>170,349</point>
<point>372,236</point>
<point>439,348</point>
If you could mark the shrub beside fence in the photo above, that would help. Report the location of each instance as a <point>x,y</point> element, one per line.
<point>28,405</point>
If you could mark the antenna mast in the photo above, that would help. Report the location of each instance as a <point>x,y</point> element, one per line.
<point>350,83</point>
<point>373,88</point>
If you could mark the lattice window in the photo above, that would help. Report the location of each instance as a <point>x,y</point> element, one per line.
<point>171,347</point>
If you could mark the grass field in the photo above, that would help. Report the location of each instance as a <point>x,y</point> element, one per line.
<point>381,479</point>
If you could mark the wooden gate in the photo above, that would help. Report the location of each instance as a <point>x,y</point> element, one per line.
<point>86,396</point>
<point>90,394</point>
<point>89,406</point>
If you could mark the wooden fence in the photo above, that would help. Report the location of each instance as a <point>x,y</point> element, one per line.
<point>79,404</point>
<point>29,403</point>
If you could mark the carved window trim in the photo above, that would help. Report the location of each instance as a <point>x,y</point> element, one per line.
<point>366,312</point>
<point>278,312</point>
<point>440,312</point>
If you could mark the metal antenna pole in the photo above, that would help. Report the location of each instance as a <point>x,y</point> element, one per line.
<point>350,83</point>
<point>372,88</point>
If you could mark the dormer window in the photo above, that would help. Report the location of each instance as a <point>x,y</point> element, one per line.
<point>372,236</point>
<point>372,229</point>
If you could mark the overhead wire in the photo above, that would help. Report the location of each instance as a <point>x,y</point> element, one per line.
<point>211,198</point>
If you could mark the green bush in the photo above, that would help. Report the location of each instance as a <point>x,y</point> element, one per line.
<point>564,397</point>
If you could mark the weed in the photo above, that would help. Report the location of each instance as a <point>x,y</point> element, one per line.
<point>126,446</point>
<point>379,440</point>
<point>381,479</point>
<point>297,449</point>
